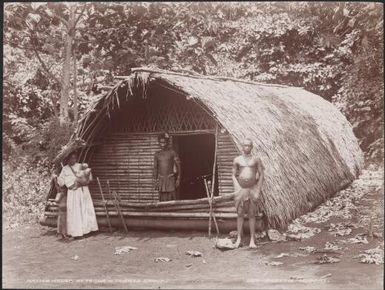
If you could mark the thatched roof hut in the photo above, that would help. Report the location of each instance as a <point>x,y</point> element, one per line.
<point>307,146</point>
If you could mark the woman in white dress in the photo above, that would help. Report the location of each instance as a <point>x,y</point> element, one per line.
<point>81,218</point>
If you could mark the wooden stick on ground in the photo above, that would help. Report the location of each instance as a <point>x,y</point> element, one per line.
<point>105,205</point>
<point>117,206</point>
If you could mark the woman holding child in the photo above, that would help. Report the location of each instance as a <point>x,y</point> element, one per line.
<point>81,218</point>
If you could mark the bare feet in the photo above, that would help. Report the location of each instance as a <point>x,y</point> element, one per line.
<point>252,245</point>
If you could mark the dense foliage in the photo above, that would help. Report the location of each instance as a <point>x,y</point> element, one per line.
<point>24,190</point>
<point>334,49</point>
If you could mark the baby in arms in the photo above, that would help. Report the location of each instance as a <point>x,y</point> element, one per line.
<point>83,176</point>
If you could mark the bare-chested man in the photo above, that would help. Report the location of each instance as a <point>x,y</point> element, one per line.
<point>164,176</point>
<point>247,178</point>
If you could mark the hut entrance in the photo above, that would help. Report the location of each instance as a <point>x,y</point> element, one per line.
<point>197,156</point>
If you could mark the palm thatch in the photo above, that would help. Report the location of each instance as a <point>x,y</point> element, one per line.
<point>73,145</point>
<point>306,145</point>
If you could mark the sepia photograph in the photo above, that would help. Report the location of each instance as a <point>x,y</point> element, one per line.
<point>193,145</point>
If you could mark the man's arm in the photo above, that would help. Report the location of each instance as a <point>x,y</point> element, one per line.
<point>234,173</point>
<point>178,168</point>
<point>260,173</point>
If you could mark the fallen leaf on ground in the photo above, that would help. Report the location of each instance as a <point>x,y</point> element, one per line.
<point>327,260</point>
<point>283,255</point>
<point>332,246</point>
<point>300,232</point>
<point>295,255</point>
<point>260,235</point>
<point>326,276</point>
<point>275,235</point>
<point>340,229</point>
<point>373,256</point>
<point>75,258</point>
<point>224,244</point>
<point>273,263</point>
<point>162,259</point>
<point>124,249</point>
<point>188,265</point>
<point>358,239</point>
<point>194,253</point>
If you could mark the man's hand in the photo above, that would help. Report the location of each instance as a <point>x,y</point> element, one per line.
<point>156,183</point>
<point>177,182</point>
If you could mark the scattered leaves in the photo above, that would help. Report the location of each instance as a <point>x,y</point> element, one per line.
<point>124,249</point>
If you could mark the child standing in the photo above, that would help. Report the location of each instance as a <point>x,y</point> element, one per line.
<point>61,201</point>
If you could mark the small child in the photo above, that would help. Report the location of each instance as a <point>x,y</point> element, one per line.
<point>61,201</point>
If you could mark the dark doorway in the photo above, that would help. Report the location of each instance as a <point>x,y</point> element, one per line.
<point>197,156</point>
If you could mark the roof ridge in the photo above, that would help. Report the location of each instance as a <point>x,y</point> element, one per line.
<point>214,78</point>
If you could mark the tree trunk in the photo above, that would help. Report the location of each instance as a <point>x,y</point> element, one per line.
<point>76,113</point>
<point>67,67</point>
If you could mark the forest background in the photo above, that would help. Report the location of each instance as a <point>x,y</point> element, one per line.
<point>58,57</point>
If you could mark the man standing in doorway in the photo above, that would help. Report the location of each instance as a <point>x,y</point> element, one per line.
<point>247,177</point>
<point>165,161</point>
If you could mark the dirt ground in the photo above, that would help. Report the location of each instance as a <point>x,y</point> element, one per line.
<point>33,257</point>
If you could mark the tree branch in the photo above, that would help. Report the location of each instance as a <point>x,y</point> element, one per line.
<point>44,66</point>
<point>81,14</point>
<point>65,22</point>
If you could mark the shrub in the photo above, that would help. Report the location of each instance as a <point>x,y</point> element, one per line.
<point>25,187</point>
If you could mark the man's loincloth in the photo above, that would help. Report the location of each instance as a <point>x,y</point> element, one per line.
<point>167,183</point>
<point>246,200</point>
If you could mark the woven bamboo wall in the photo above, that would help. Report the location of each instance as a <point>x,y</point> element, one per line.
<point>227,151</point>
<point>126,160</point>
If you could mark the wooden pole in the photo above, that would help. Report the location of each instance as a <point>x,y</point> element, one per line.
<point>211,209</point>
<point>117,206</point>
<point>105,205</point>
<point>215,158</point>
<point>213,179</point>
<point>209,200</point>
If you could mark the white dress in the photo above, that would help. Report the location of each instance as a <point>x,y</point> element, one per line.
<point>81,218</point>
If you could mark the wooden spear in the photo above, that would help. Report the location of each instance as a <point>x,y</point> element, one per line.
<point>105,205</point>
<point>117,206</point>
<point>212,210</point>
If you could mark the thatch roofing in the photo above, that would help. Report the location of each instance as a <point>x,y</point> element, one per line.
<point>307,146</point>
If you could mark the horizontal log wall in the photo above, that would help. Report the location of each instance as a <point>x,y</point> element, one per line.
<point>227,151</point>
<point>126,160</point>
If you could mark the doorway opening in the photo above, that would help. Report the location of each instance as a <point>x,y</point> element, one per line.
<point>196,153</point>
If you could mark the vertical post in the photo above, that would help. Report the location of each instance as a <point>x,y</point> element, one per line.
<point>105,205</point>
<point>215,159</point>
<point>76,111</point>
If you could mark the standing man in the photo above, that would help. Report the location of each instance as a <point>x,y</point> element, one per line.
<point>247,177</point>
<point>164,176</point>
